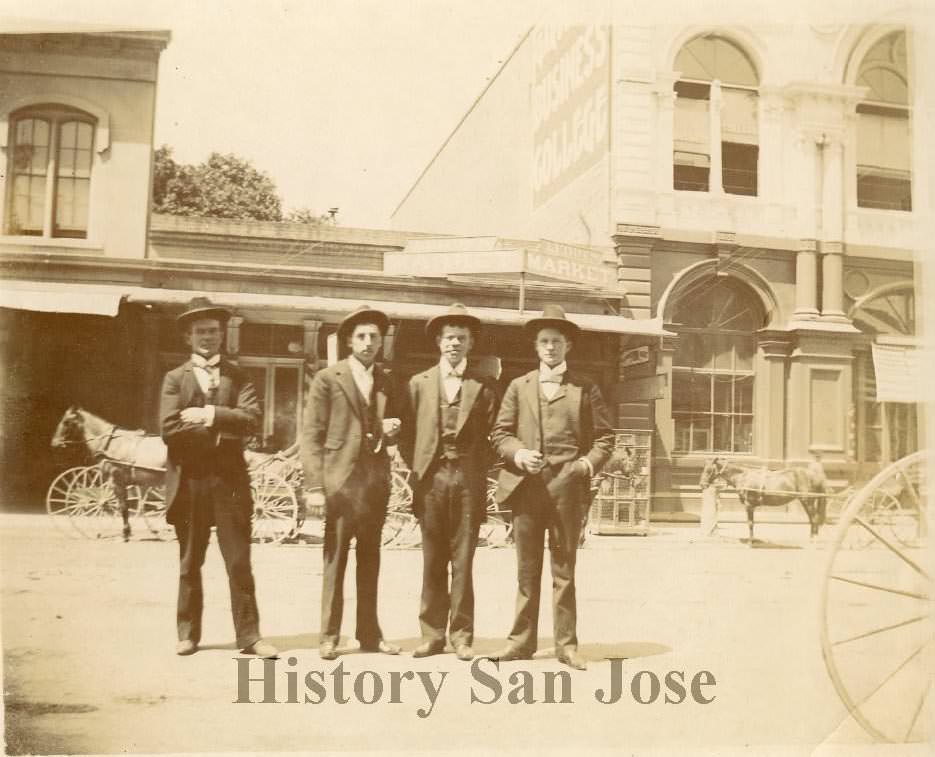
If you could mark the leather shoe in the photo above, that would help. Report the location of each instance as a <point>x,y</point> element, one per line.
<point>510,653</point>
<point>464,652</point>
<point>327,650</point>
<point>383,647</point>
<point>262,649</point>
<point>429,648</point>
<point>186,647</point>
<point>572,659</point>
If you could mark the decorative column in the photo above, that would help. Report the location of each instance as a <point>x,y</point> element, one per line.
<point>665,129</point>
<point>806,280</point>
<point>715,177</point>
<point>233,336</point>
<point>634,245</point>
<point>832,282</point>
<point>773,350</point>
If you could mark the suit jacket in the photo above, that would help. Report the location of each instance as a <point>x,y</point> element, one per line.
<point>419,437</point>
<point>518,425</point>
<point>333,426</point>
<point>194,448</point>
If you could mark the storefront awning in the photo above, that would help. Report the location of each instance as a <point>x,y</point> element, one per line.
<point>337,308</point>
<point>53,297</point>
<point>104,299</point>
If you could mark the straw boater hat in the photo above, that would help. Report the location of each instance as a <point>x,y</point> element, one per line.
<point>363,314</point>
<point>202,307</point>
<point>553,317</point>
<point>456,315</point>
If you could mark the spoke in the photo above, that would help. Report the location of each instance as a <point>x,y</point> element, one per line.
<point>880,630</point>
<point>890,676</point>
<point>913,595</point>
<point>893,549</point>
<point>910,487</point>
<point>915,715</point>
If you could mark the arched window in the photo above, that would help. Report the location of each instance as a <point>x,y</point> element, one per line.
<point>50,159</point>
<point>884,178</point>
<point>716,136</point>
<point>712,369</point>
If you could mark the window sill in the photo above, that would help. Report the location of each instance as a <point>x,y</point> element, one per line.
<point>716,197</point>
<point>881,211</point>
<point>49,244</point>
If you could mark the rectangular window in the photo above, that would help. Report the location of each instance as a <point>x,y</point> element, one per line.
<point>50,166</point>
<point>691,157</point>
<point>884,177</point>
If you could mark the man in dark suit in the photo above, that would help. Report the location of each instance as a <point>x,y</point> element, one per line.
<point>553,433</point>
<point>445,442</point>
<point>350,416</point>
<point>208,406</point>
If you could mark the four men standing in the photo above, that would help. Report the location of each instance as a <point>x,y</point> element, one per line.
<point>552,433</point>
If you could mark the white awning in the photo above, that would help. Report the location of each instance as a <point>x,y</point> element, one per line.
<point>54,297</point>
<point>104,299</point>
<point>338,308</point>
<point>900,373</point>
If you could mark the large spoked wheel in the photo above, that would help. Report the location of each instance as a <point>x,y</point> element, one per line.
<point>153,510</point>
<point>877,635</point>
<point>275,507</point>
<point>86,499</point>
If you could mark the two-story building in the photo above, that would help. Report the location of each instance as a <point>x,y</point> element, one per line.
<point>759,185</point>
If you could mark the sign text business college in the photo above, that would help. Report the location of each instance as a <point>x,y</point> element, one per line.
<point>570,105</point>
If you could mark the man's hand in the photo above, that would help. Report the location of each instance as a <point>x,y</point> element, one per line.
<point>391,427</point>
<point>529,460</point>
<point>196,415</point>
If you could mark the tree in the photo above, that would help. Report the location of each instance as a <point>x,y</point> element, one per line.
<point>307,215</point>
<point>224,186</point>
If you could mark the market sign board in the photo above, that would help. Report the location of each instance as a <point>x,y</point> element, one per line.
<point>899,373</point>
<point>570,105</point>
<point>577,265</point>
<point>571,264</point>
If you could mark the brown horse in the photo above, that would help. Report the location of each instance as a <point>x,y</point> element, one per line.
<point>759,487</point>
<point>127,458</point>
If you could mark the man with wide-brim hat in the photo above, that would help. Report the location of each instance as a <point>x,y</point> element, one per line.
<point>207,410</point>
<point>451,410</point>
<point>553,434</point>
<point>351,415</point>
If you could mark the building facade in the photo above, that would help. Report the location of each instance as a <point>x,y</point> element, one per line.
<point>761,188</point>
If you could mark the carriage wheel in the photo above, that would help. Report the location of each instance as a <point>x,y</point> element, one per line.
<point>87,499</point>
<point>275,507</point>
<point>400,523</point>
<point>877,635</point>
<point>153,510</point>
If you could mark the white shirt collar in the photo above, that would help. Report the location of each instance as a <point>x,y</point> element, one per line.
<point>552,374</point>
<point>202,362</point>
<point>359,368</point>
<point>447,369</point>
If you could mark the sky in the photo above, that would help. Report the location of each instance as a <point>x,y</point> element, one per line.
<point>342,103</point>
<point>345,102</point>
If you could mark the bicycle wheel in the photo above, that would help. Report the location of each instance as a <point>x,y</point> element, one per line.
<point>275,507</point>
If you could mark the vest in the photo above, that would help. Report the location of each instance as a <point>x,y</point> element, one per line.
<point>373,434</point>
<point>557,430</point>
<point>448,413</point>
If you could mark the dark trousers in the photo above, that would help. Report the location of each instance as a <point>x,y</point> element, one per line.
<point>542,504</point>
<point>357,511</point>
<point>449,526</point>
<point>214,501</point>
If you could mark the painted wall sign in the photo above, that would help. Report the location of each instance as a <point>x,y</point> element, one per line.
<point>570,105</point>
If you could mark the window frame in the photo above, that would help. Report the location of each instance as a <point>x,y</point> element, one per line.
<point>55,115</point>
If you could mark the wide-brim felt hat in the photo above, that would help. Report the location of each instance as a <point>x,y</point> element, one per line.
<point>456,315</point>
<point>553,317</point>
<point>202,307</point>
<point>363,314</point>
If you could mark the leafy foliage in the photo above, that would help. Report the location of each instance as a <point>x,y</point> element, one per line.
<point>224,186</point>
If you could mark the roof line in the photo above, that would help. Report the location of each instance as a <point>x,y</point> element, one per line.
<point>463,119</point>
